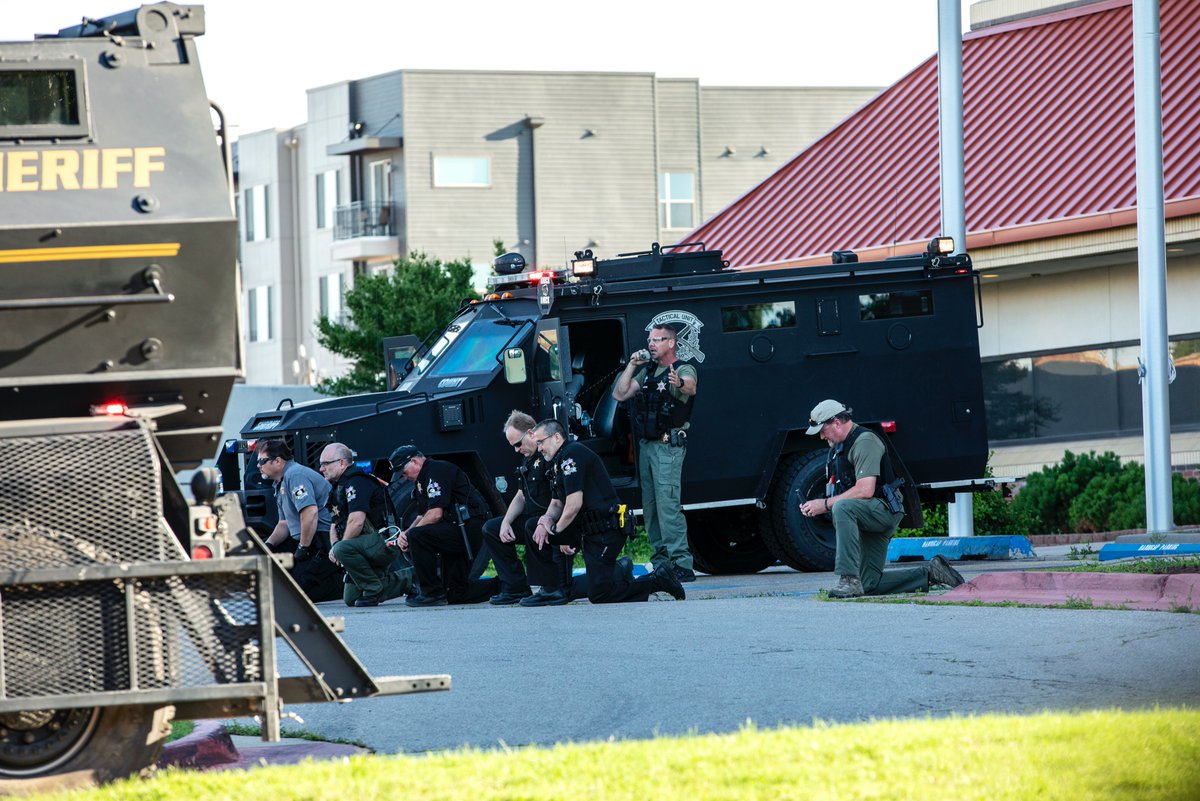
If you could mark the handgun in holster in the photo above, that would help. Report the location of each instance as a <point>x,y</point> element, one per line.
<point>893,497</point>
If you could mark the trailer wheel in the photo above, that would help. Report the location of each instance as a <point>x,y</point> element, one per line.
<point>805,543</point>
<point>726,541</point>
<point>60,749</point>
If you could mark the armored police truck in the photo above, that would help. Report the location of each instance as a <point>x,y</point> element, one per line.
<point>121,603</point>
<point>896,340</point>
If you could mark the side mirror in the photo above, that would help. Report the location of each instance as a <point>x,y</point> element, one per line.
<point>514,366</point>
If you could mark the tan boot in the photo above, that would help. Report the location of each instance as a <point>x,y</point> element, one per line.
<point>847,587</point>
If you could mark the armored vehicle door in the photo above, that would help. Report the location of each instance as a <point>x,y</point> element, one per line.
<point>552,372</point>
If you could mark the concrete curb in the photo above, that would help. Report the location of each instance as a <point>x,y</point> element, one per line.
<point>1129,590</point>
<point>207,746</point>
<point>956,549</point>
<point>210,747</point>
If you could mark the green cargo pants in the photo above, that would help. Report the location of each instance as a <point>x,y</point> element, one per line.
<point>863,529</point>
<point>366,559</point>
<point>661,467</point>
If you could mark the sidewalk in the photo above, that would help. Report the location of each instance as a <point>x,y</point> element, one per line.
<point>211,747</point>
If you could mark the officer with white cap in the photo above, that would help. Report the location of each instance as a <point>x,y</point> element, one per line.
<point>858,468</point>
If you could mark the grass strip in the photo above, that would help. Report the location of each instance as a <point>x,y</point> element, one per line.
<point>1156,565</point>
<point>1089,755</point>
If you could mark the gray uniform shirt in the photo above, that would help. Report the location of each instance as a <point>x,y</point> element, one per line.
<point>300,487</point>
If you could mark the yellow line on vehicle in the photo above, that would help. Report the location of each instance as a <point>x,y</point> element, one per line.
<point>147,251</point>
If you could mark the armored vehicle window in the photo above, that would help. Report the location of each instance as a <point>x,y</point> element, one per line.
<point>889,305</point>
<point>758,316</point>
<point>547,360</point>
<point>41,103</point>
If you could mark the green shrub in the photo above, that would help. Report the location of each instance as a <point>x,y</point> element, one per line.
<point>994,513</point>
<point>1046,499</point>
<point>1116,503</point>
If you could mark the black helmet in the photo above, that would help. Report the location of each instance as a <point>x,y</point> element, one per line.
<point>509,264</point>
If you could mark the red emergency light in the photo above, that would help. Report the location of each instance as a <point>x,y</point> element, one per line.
<point>888,426</point>
<point>110,409</point>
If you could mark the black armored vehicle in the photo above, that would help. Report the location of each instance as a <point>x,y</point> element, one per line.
<point>123,604</point>
<point>896,340</point>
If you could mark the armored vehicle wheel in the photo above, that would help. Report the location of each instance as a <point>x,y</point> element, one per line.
<point>805,543</point>
<point>61,749</point>
<point>726,541</point>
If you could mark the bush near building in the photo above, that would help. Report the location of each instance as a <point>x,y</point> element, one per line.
<point>1083,493</point>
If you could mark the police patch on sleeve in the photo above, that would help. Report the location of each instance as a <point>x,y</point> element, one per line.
<point>434,490</point>
<point>351,493</point>
<point>300,492</point>
<point>569,466</point>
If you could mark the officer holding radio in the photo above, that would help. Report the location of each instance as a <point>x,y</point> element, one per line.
<point>449,525</point>
<point>864,500</point>
<point>663,389</point>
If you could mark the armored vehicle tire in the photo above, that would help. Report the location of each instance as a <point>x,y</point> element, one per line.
<point>61,749</point>
<point>805,543</point>
<point>726,541</point>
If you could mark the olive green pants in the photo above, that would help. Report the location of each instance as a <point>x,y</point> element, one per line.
<point>863,529</point>
<point>661,467</point>
<point>366,559</point>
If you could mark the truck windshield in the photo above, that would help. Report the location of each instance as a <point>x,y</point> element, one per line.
<point>468,345</point>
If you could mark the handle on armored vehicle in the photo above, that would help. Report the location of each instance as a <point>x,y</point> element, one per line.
<point>151,277</point>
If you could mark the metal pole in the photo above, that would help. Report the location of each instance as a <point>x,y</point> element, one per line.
<point>954,216</point>
<point>1152,265</point>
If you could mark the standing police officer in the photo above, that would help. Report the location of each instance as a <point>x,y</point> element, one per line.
<point>584,514</point>
<point>449,525</point>
<point>664,388</point>
<point>301,495</point>
<point>360,517</point>
<point>863,518</point>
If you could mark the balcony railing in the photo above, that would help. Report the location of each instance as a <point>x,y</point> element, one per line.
<point>361,219</point>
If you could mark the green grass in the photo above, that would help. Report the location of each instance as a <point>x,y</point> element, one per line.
<point>1098,755</point>
<point>1168,564</point>
<point>181,728</point>
<point>254,730</point>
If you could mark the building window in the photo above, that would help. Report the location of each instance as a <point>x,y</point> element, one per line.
<point>379,185</point>
<point>327,197</point>
<point>676,199</point>
<point>462,171</point>
<point>332,291</point>
<point>258,313</point>
<point>1091,393</point>
<point>258,213</point>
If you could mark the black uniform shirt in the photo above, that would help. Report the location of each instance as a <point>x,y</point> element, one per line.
<point>442,485</point>
<point>578,468</point>
<point>537,483</point>
<point>362,493</point>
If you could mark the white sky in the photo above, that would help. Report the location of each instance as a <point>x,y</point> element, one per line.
<point>259,56</point>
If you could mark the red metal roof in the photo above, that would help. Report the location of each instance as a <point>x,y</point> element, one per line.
<point>1049,143</point>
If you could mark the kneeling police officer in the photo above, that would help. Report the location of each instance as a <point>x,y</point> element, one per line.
<point>583,515</point>
<point>360,518</point>
<point>449,525</point>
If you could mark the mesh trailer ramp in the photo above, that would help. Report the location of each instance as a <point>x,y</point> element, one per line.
<point>108,629</point>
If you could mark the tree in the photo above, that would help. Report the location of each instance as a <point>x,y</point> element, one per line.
<point>419,295</point>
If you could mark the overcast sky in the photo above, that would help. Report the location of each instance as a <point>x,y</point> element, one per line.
<point>259,57</point>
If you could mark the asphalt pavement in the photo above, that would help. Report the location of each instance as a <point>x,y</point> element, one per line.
<point>756,648</point>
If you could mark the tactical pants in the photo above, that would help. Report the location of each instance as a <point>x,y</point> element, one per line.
<point>661,467</point>
<point>547,567</point>
<point>445,539</point>
<point>320,579</point>
<point>365,559</point>
<point>605,584</point>
<point>863,529</point>
<point>392,585</point>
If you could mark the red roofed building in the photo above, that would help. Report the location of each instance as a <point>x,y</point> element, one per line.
<point>1051,212</point>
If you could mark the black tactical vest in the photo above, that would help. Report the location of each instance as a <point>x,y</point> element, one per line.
<point>839,467</point>
<point>657,411</point>
<point>375,516</point>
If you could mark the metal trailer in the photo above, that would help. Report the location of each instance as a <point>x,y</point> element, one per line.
<point>118,347</point>
<point>896,339</point>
